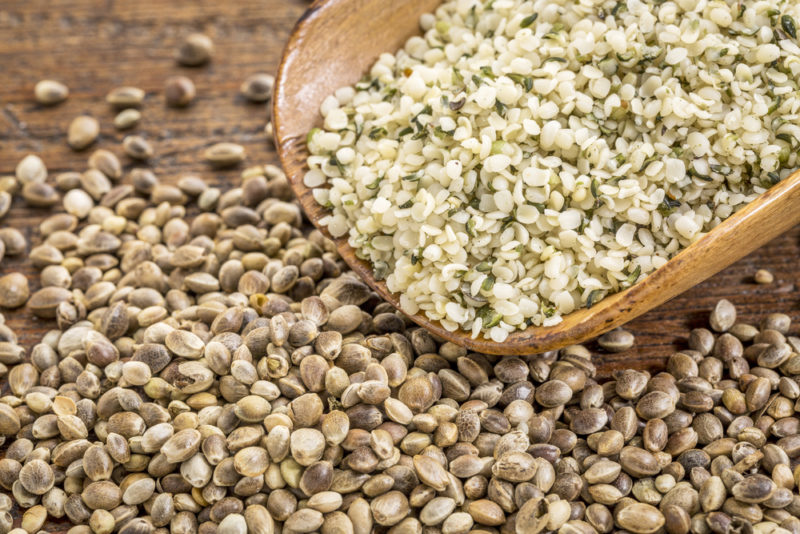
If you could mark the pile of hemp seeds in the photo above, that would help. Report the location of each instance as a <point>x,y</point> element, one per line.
<point>218,370</point>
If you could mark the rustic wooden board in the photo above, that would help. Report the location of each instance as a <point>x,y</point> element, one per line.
<point>95,46</point>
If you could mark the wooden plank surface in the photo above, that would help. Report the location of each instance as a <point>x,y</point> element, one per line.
<point>96,46</point>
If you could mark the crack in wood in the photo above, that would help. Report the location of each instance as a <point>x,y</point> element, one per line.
<point>8,111</point>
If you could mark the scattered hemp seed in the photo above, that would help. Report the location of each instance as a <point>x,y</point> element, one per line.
<point>179,91</point>
<point>617,340</point>
<point>224,154</point>
<point>5,203</point>
<point>127,118</point>
<point>196,50</point>
<point>258,87</point>
<point>31,168</point>
<point>40,195</point>
<point>12,241</point>
<point>9,184</point>
<point>82,132</point>
<point>137,147</point>
<point>14,291</point>
<point>125,97</point>
<point>275,385</point>
<point>107,163</point>
<point>50,92</point>
<point>763,276</point>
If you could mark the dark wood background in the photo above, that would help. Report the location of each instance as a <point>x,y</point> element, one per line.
<point>96,46</point>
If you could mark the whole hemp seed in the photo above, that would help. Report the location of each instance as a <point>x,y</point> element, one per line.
<point>763,276</point>
<point>127,118</point>
<point>179,91</point>
<point>14,290</point>
<point>195,50</point>
<point>82,132</point>
<point>125,97</point>
<point>31,168</point>
<point>224,154</point>
<point>258,87</point>
<point>617,340</point>
<point>225,389</point>
<point>137,147</point>
<point>5,203</point>
<point>50,92</point>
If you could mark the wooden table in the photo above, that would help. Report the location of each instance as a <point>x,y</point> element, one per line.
<point>95,46</point>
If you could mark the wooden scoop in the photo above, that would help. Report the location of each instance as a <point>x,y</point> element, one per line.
<point>337,41</point>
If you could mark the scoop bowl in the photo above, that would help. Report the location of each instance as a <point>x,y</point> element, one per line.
<point>336,42</point>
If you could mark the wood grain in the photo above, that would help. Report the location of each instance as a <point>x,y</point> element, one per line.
<point>319,58</point>
<point>95,46</point>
